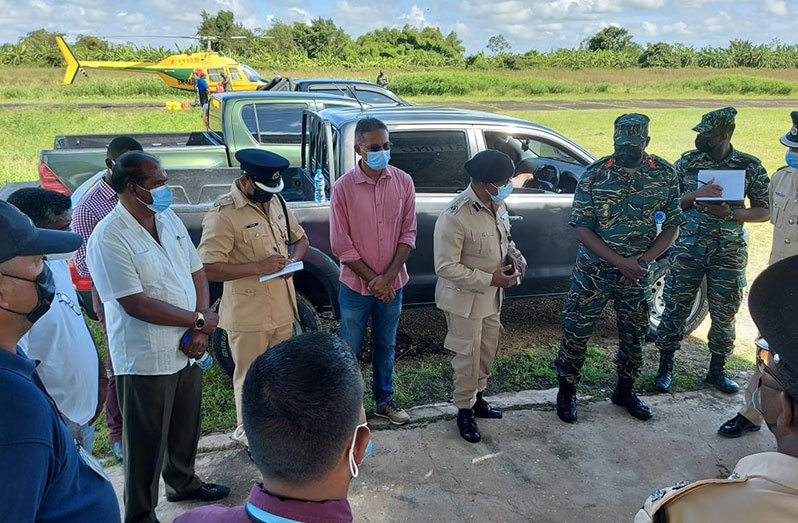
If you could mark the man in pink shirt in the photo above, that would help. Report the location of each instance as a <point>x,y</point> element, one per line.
<point>372,231</point>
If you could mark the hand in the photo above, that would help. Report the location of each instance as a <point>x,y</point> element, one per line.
<point>272,264</point>
<point>520,264</point>
<point>196,345</point>
<point>502,280</point>
<point>709,190</point>
<point>382,288</point>
<point>630,269</point>
<point>626,282</point>
<point>721,210</point>
<point>211,321</point>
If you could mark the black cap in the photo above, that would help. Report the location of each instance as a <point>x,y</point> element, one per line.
<point>21,238</point>
<point>490,166</point>
<point>263,168</point>
<point>791,138</point>
<point>773,304</point>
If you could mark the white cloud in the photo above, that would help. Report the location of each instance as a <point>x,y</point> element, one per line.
<point>649,28</point>
<point>296,14</point>
<point>679,28</point>
<point>415,18</point>
<point>776,7</point>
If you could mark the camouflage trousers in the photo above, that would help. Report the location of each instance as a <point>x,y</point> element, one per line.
<point>724,268</point>
<point>592,285</point>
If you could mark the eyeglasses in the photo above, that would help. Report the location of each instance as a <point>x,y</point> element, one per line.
<point>766,361</point>
<point>63,298</point>
<point>377,147</point>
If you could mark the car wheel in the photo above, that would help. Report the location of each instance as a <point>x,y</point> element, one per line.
<point>307,320</point>
<point>656,306</point>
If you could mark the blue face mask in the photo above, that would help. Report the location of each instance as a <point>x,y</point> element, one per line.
<point>161,198</point>
<point>378,160</point>
<point>792,158</point>
<point>504,191</point>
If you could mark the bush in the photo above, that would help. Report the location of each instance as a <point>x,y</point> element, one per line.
<point>659,55</point>
<point>734,84</point>
<point>471,83</point>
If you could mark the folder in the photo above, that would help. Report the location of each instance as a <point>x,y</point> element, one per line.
<point>732,181</point>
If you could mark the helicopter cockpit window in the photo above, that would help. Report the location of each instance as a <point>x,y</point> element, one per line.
<point>215,75</point>
<point>251,74</point>
<point>235,74</point>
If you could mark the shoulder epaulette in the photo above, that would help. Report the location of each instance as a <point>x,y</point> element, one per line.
<point>457,204</point>
<point>658,162</point>
<point>661,497</point>
<point>690,153</point>
<point>750,157</point>
<point>227,199</point>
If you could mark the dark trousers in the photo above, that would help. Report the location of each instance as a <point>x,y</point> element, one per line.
<point>161,426</point>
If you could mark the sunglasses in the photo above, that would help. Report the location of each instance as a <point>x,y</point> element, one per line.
<point>766,362</point>
<point>377,147</point>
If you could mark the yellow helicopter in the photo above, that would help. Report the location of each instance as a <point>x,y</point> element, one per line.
<point>177,70</point>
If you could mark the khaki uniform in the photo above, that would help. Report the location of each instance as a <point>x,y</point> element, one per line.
<point>784,217</point>
<point>470,243</point>
<point>763,487</point>
<point>256,315</point>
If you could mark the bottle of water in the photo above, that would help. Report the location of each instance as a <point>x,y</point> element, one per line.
<point>204,362</point>
<point>318,184</point>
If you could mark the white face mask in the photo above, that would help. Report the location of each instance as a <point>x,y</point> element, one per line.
<point>60,256</point>
<point>352,463</point>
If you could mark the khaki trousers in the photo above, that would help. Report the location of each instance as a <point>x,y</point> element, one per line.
<point>245,348</point>
<point>748,410</point>
<point>474,342</point>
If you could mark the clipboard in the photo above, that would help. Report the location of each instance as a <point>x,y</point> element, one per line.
<point>288,269</point>
<point>732,181</point>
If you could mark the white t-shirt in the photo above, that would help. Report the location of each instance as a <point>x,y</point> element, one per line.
<point>124,259</point>
<point>61,340</point>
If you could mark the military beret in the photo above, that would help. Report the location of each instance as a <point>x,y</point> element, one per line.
<point>631,129</point>
<point>791,138</point>
<point>715,119</point>
<point>773,304</point>
<point>490,166</point>
<point>263,168</point>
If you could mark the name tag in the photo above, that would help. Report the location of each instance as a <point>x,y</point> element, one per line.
<point>251,225</point>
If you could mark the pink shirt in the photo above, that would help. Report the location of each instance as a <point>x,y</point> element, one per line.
<point>369,219</point>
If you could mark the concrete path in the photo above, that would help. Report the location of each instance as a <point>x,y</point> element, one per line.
<point>529,465</point>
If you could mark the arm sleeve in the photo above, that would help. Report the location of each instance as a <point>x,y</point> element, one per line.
<point>111,265</point>
<point>583,213</point>
<point>674,216</point>
<point>340,241</point>
<point>28,475</point>
<point>679,168</point>
<point>758,189</point>
<point>217,240</point>
<point>297,232</point>
<point>771,188</point>
<point>448,246</point>
<point>409,222</point>
<point>83,222</point>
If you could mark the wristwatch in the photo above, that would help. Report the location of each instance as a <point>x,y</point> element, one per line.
<point>643,264</point>
<point>199,323</point>
<point>730,216</point>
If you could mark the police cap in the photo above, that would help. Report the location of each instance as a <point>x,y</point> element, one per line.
<point>490,166</point>
<point>263,168</point>
<point>791,138</point>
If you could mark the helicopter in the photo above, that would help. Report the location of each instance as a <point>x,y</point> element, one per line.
<point>177,70</point>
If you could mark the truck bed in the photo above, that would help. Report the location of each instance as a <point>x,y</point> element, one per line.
<point>147,140</point>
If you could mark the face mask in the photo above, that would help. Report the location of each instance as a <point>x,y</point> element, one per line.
<point>704,143</point>
<point>792,159</point>
<point>161,198</point>
<point>628,156</point>
<point>45,289</point>
<point>62,256</point>
<point>378,160</point>
<point>756,400</point>
<point>352,463</point>
<point>504,191</point>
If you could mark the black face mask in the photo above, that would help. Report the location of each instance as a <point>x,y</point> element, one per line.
<point>628,156</point>
<point>45,289</point>
<point>259,196</point>
<point>705,143</point>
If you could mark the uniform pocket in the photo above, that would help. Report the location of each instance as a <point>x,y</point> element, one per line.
<point>257,242</point>
<point>458,345</point>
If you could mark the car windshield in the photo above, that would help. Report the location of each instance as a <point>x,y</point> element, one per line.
<point>251,74</point>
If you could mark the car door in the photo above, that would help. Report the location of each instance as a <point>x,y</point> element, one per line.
<point>539,217</point>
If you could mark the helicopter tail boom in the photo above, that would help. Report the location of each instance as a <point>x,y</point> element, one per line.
<point>72,63</point>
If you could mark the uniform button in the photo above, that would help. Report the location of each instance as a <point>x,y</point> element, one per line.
<point>792,220</point>
<point>249,292</point>
<point>787,241</point>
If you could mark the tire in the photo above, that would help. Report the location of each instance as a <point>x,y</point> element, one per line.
<point>307,320</point>
<point>656,305</point>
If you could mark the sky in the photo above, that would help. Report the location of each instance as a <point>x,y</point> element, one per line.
<point>526,24</point>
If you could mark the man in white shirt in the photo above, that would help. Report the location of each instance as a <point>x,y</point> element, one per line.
<point>151,281</point>
<point>70,369</point>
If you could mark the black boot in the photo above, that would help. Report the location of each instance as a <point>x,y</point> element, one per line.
<point>737,426</point>
<point>468,425</point>
<point>566,401</point>
<point>717,375</point>
<point>625,396</point>
<point>664,377</point>
<point>482,409</point>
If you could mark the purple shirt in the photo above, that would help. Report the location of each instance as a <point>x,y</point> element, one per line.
<point>95,205</point>
<point>368,221</point>
<point>334,511</point>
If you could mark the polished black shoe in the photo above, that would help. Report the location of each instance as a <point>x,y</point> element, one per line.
<point>717,376</point>
<point>482,409</point>
<point>664,377</point>
<point>625,396</point>
<point>566,402</point>
<point>206,492</point>
<point>468,425</point>
<point>737,426</point>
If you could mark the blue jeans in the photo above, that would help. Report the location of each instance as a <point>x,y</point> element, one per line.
<point>356,310</point>
<point>88,436</point>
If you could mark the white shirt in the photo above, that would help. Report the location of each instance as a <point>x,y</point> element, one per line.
<point>124,259</point>
<point>61,341</point>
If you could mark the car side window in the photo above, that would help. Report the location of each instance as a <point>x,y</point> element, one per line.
<point>540,165</point>
<point>434,159</point>
<point>367,96</point>
<point>271,123</point>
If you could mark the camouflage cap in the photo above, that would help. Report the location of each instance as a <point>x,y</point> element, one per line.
<point>631,129</point>
<point>714,119</point>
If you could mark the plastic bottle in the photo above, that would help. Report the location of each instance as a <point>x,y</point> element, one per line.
<point>205,361</point>
<point>318,184</point>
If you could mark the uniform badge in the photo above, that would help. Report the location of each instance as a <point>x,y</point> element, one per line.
<point>679,485</point>
<point>280,217</point>
<point>651,163</point>
<point>216,204</point>
<point>276,176</point>
<point>606,210</point>
<point>658,494</point>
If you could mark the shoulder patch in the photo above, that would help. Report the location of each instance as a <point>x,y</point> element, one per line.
<point>457,204</point>
<point>227,199</point>
<point>661,497</point>
<point>656,161</point>
<point>600,163</point>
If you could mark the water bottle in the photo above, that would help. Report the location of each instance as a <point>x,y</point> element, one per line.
<point>318,184</point>
<point>205,361</point>
<point>659,219</point>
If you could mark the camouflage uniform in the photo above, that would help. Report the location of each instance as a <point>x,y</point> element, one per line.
<point>710,246</point>
<point>619,207</point>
